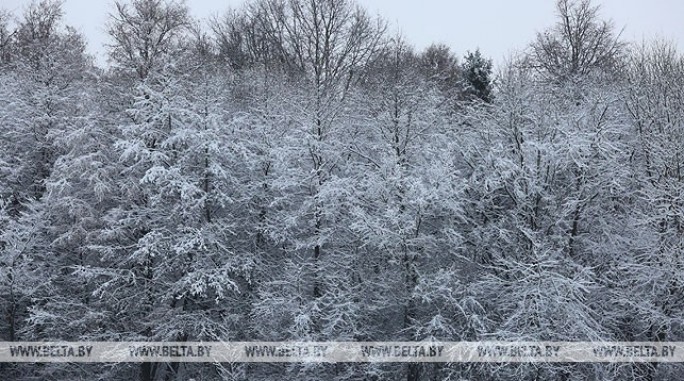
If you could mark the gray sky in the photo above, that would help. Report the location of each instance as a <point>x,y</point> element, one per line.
<point>497,27</point>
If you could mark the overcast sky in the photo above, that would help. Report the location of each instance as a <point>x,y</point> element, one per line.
<point>497,27</point>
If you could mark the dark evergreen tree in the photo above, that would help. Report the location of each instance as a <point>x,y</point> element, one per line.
<point>477,73</point>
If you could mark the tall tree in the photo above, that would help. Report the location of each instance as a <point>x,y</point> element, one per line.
<point>579,44</point>
<point>327,44</point>
<point>143,32</point>
<point>403,207</point>
<point>539,201</point>
<point>649,277</point>
<point>49,73</point>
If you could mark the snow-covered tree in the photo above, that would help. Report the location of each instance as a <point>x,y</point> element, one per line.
<point>580,43</point>
<point>144,32</point>
<point>541,205</point>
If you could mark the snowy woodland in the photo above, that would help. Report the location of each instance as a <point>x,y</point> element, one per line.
<point>292,170</point>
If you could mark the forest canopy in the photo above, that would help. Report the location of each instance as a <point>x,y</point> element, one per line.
<point>294,171</point>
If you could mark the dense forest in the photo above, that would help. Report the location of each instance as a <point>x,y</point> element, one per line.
<point>292,170</point>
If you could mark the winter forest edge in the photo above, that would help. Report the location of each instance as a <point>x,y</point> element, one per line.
<point>294,171</point>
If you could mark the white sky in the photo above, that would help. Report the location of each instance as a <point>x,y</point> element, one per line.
<point>497,27</point>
